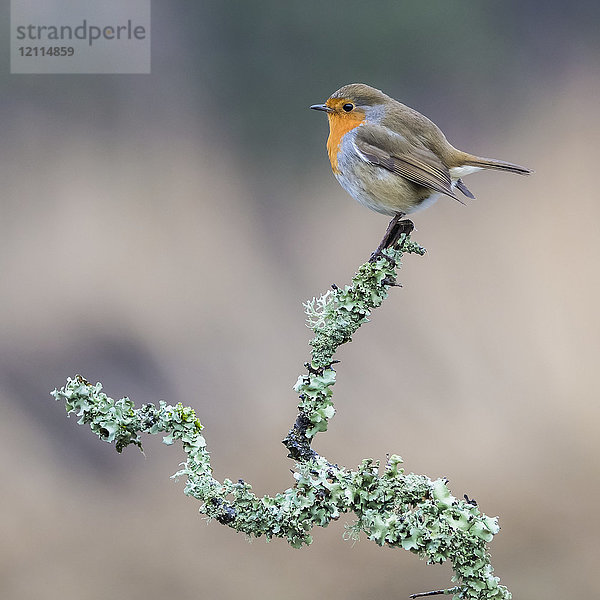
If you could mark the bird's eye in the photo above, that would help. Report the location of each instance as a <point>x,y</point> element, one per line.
<point>348,107</point>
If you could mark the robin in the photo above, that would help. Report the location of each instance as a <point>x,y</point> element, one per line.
<point>393,159</point>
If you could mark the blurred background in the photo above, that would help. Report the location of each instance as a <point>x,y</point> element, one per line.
<point>159,233</point>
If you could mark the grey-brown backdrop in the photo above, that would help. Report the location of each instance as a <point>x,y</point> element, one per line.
<point>159,233</point>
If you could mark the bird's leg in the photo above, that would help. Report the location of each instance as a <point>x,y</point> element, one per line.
<point>400,228</point>
<point>386,241</point>
<point>394,230</point>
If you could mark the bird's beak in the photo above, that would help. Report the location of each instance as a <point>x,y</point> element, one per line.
<point>322,107</point>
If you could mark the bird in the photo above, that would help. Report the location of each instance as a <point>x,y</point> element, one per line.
<point>393,159</point>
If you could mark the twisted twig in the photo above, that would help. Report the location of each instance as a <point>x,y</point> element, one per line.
<point>392,507</point>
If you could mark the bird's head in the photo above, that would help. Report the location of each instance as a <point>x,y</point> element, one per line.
<point>353,102</point>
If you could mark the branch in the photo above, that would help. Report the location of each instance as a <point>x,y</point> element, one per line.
<point>392,507</point>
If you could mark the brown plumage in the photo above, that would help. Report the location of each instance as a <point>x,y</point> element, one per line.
<point>390,157</point>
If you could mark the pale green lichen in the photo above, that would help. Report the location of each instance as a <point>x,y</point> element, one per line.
<point>391,507</point>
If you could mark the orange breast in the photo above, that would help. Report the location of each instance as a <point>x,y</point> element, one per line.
<point>339,126</point>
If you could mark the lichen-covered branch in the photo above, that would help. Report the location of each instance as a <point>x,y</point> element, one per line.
<point>392,507</point>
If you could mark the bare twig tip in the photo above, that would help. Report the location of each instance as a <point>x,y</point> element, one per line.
<point>433,593</point>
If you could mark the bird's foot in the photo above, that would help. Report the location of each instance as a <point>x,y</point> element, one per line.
<point>395,229</point>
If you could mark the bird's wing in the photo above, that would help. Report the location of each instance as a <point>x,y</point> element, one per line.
<point>460,185</point>
<point>377,145</point>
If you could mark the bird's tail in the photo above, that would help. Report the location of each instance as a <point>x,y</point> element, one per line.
<point>500,165</point>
